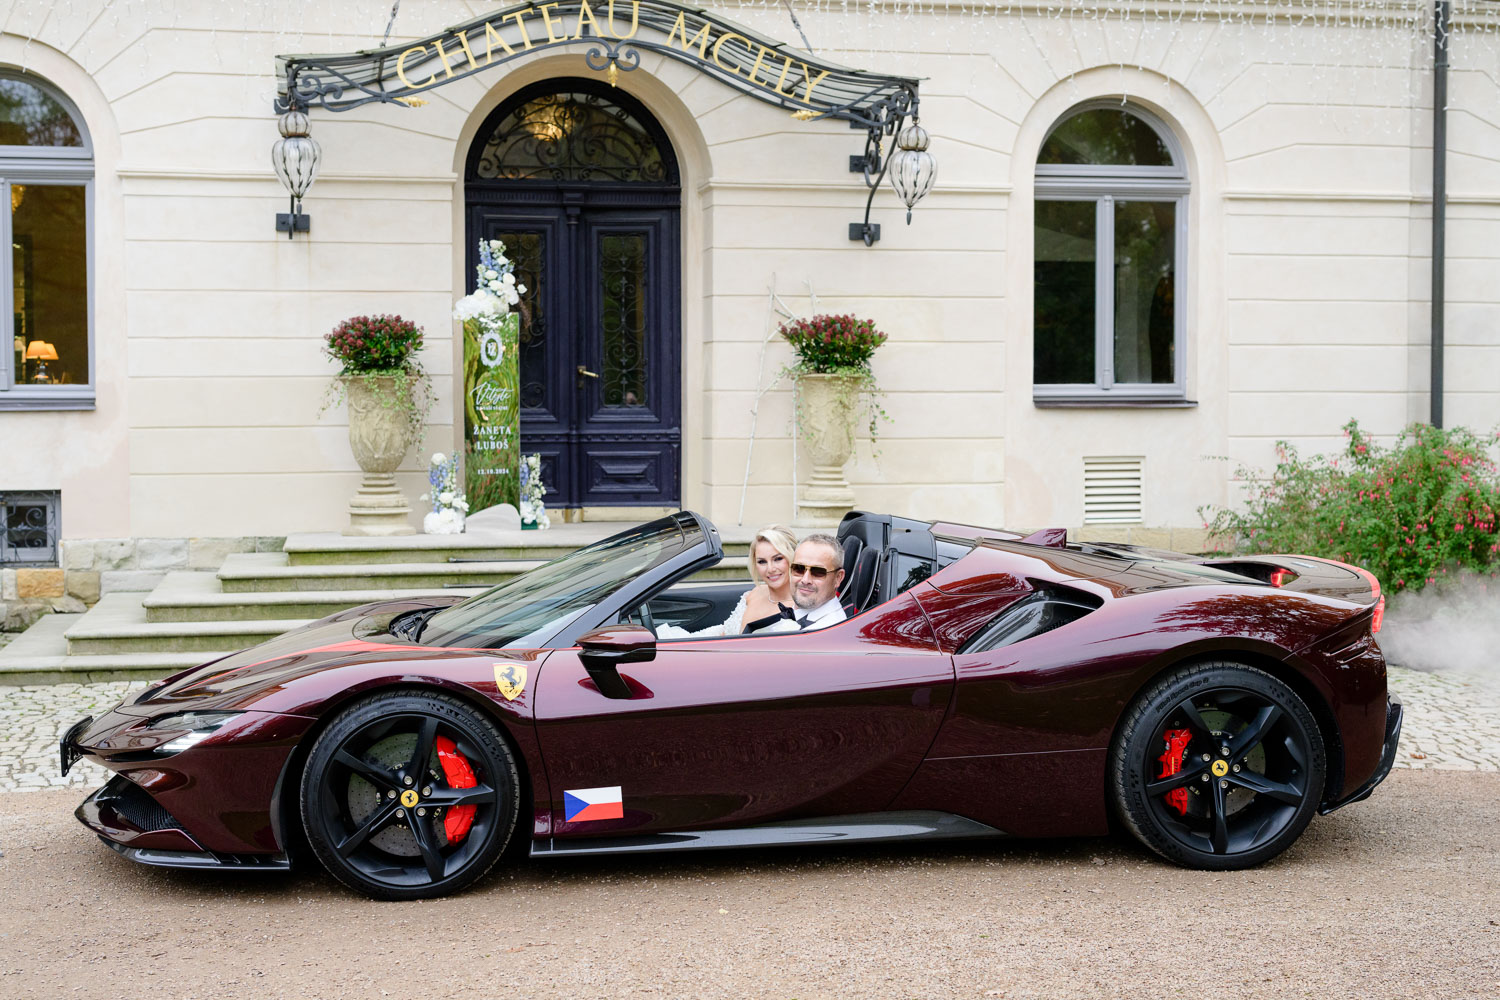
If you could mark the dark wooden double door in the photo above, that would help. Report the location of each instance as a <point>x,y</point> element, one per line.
<point>600,363</point>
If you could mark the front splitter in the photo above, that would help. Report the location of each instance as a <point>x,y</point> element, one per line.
<point>193,859</point>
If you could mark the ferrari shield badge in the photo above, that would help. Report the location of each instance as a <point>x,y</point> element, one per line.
<point>510,680</point>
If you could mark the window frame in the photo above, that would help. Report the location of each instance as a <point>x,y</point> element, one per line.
<point>1104,185</point>
<point>66,166</point>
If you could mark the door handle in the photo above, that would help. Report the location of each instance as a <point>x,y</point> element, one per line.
<point>584,373</point>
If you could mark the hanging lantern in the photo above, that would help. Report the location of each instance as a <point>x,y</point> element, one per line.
<point>913,169</point>
<point>295,157</point>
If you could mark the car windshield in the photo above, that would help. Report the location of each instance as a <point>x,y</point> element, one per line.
<point>525,612</point>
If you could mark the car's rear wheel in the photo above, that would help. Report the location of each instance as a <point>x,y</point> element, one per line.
<point>409,796</point>
<point>1217,766</point>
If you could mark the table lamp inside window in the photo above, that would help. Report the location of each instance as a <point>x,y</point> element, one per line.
<point>41,352</point>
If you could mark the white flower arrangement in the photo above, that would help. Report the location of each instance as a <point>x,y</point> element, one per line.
<point>448,503</point>
<point>478,304</point>
<point>496,292</point>
<point>533,510</point>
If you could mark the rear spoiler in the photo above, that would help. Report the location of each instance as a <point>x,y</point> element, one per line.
<point>1310,575</point>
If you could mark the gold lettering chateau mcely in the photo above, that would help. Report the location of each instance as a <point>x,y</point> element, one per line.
<point>542,25</point>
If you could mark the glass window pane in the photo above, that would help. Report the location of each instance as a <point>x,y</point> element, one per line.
<point>29,116</point>
<point>572,137</point>
<point>1106,137</point>
<point>49,283</point>
<point>1064,292</point>
<point>1145,289</point>
<point>528,251</point>
<point>622,275</point>
<point>26,528</point>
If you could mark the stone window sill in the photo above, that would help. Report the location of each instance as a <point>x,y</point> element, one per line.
<point>16,401</point>
<point>1111,402</point>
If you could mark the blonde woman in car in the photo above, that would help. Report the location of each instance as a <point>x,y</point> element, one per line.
<point>771,569</point>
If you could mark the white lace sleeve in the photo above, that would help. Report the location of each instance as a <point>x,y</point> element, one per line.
<point>736,622</point>
<point>730,627</point>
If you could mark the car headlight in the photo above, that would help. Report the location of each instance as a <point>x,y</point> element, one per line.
<point>199,725</point>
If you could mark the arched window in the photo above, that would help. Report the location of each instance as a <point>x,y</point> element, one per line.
<point>46,192</point>
<point>574,136</point>
<point>1110,241</point>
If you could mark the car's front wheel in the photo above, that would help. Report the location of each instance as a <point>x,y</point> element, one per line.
<point>409,795</point>
<point>1217,766</point>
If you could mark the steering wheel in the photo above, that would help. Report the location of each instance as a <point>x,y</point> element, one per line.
<point>642,616</point>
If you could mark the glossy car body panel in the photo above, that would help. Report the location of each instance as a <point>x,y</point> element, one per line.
<point>746,730</point>
<point>219,791</point>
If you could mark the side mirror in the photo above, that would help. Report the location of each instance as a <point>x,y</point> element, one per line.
<point>604,649</point>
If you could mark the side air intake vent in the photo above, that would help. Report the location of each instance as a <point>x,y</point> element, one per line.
<point>1112,490</point>
<point>1049,607</point>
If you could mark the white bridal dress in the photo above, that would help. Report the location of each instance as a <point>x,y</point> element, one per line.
<point>731,626</point>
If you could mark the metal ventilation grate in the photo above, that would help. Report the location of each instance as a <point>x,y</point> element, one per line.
<point>1112,490</point>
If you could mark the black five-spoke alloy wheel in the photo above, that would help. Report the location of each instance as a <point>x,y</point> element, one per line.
<point>409,796</point>
<point>1217,766</point>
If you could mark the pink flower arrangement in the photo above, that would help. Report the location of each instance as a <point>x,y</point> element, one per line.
<point>364,344</point>
<point>828,343</point>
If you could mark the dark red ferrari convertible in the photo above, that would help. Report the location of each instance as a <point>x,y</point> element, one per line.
<point>984,684</point>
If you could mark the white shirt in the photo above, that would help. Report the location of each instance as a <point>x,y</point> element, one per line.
<point>830,612</point>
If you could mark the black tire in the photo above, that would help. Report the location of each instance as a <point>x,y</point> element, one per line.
<point>353,786</point>
<point>1240,808</point>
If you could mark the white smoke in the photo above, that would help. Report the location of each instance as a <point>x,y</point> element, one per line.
<point>1453,626</point>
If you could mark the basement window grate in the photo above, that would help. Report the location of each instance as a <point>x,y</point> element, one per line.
<point>29,528</point>
<point>1112,488</point>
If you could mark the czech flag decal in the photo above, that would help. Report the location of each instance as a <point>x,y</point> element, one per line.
<point>583,804</point>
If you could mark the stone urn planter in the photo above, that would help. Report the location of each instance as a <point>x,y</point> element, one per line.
<point>379,437</point>
<point>828,409</point>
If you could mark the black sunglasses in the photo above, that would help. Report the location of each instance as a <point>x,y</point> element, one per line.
<point>818,572</point>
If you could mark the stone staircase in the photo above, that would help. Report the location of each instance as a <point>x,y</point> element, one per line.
<point>194,616</point>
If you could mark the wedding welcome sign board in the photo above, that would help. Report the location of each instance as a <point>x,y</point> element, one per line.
<point>492,412</point>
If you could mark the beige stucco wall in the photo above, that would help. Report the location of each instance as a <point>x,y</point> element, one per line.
<point>1307,277</point>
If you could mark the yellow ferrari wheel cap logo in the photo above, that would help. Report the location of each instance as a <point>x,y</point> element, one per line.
<point>408,798</point>
<point>1220,768</point>
<point>510,680</point>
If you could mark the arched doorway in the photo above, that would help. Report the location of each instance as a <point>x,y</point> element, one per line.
<point>581,183</point>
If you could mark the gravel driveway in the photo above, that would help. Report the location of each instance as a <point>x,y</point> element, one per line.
<point>1398,896</point>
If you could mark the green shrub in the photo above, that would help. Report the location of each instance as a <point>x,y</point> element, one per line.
<point>1408,514</point>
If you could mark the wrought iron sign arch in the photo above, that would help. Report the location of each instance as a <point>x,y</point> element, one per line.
<point>613,35</point>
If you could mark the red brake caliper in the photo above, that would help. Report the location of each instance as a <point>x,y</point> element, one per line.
<point>459,774</point>
<point>1171,763</point>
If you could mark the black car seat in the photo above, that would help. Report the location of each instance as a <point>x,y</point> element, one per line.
<point>852,547</point>
<point>861,582</point>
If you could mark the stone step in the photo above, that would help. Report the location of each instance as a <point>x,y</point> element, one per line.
<point>40,656</point>
<point>187,596</point>
<point>327,548</point>
<point>117,624</point>
<point>272,572</point>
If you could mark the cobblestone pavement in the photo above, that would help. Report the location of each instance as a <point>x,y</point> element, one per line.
<point>1452,723</point>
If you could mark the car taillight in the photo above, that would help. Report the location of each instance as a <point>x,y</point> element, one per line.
<point>1378,616</point>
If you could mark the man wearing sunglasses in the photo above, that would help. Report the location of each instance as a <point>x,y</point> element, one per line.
<point>817,571</point>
